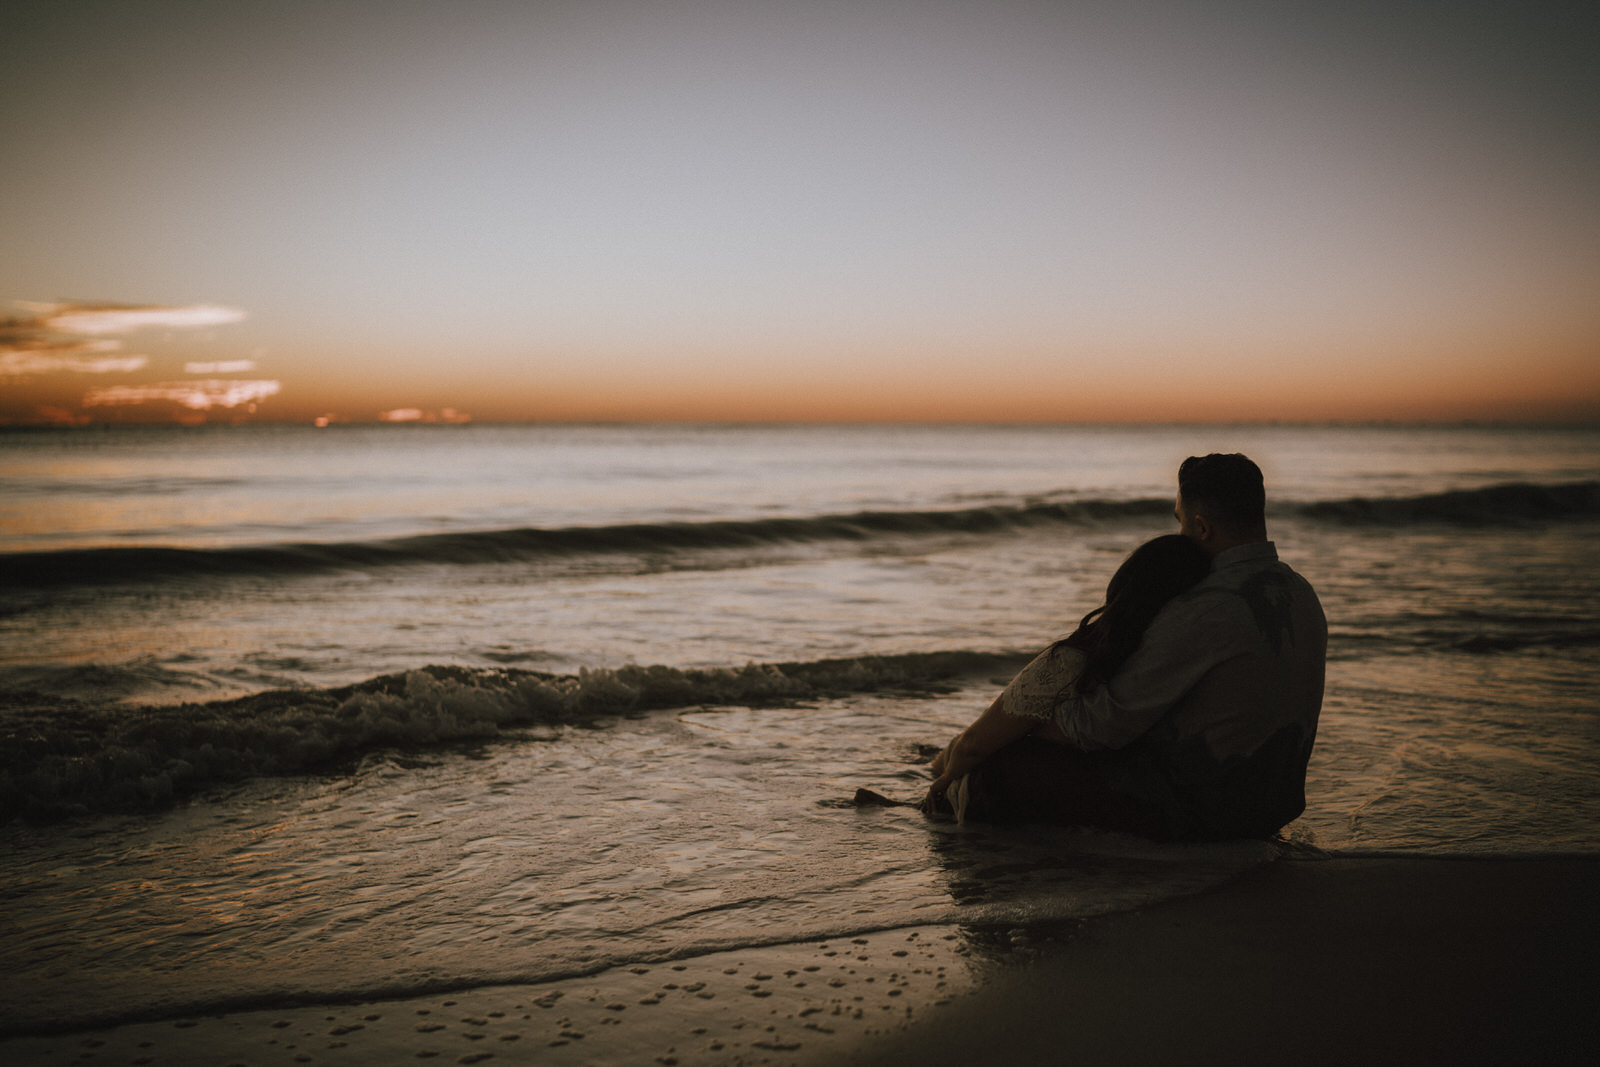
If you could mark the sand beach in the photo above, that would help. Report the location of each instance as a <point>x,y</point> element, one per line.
<point>1303,961</point>
<point>802,1003</point>
<point>1340,961</point>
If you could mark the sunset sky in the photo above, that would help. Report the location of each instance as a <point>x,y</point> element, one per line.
<point>985,210</point>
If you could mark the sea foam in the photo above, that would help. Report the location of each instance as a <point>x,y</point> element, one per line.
<point>65,757</point>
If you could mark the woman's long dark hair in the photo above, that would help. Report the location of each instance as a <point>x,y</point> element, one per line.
<point>1156,572</point>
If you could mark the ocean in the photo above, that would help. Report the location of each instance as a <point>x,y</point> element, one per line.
<point>304,715</point>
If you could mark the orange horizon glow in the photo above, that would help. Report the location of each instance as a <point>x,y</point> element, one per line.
<point>1555,380</point>
<point>1495,395</point>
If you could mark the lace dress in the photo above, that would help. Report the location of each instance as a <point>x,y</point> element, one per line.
<point>1038,688</point>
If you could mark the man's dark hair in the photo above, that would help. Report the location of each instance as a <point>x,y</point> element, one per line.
<point>1226,487</point>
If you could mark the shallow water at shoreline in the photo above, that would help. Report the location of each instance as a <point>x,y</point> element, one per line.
<point>675,834</point>
<point>557,850</point>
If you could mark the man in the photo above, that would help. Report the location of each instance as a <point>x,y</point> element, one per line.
<point>1205,730</point>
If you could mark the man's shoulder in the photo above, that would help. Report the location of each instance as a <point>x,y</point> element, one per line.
<point>1202,614</point>
<point>1231,594</point>
<point>1251,566</point>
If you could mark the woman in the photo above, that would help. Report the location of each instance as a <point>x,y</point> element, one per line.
<point>1015,765</point>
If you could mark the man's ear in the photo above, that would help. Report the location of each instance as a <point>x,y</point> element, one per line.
<point>1202,527</point>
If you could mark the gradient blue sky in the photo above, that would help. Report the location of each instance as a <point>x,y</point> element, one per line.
<point>961,210</point>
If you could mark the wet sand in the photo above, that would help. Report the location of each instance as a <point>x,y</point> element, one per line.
<point>1390,961</point>
<point>803,1003</point>
<point>1309,962</point>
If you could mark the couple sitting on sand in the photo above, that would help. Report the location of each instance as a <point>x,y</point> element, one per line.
<point>1183,708</point>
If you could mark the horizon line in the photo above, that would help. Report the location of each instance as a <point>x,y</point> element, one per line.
<point>141,424</point>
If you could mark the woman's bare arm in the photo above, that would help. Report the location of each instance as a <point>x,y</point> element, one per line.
<point>992,731</point>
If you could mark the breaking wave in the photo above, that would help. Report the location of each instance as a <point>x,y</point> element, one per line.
<point>1498,505</point>
<point>62,757</point>
<point>99,565</point>
<point>1511,642</point>
<point>1495,505</point>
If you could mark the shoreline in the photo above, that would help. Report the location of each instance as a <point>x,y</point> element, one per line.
<point>1387,960</point>
<point>1335,961</point>
<point>784,1003</point>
